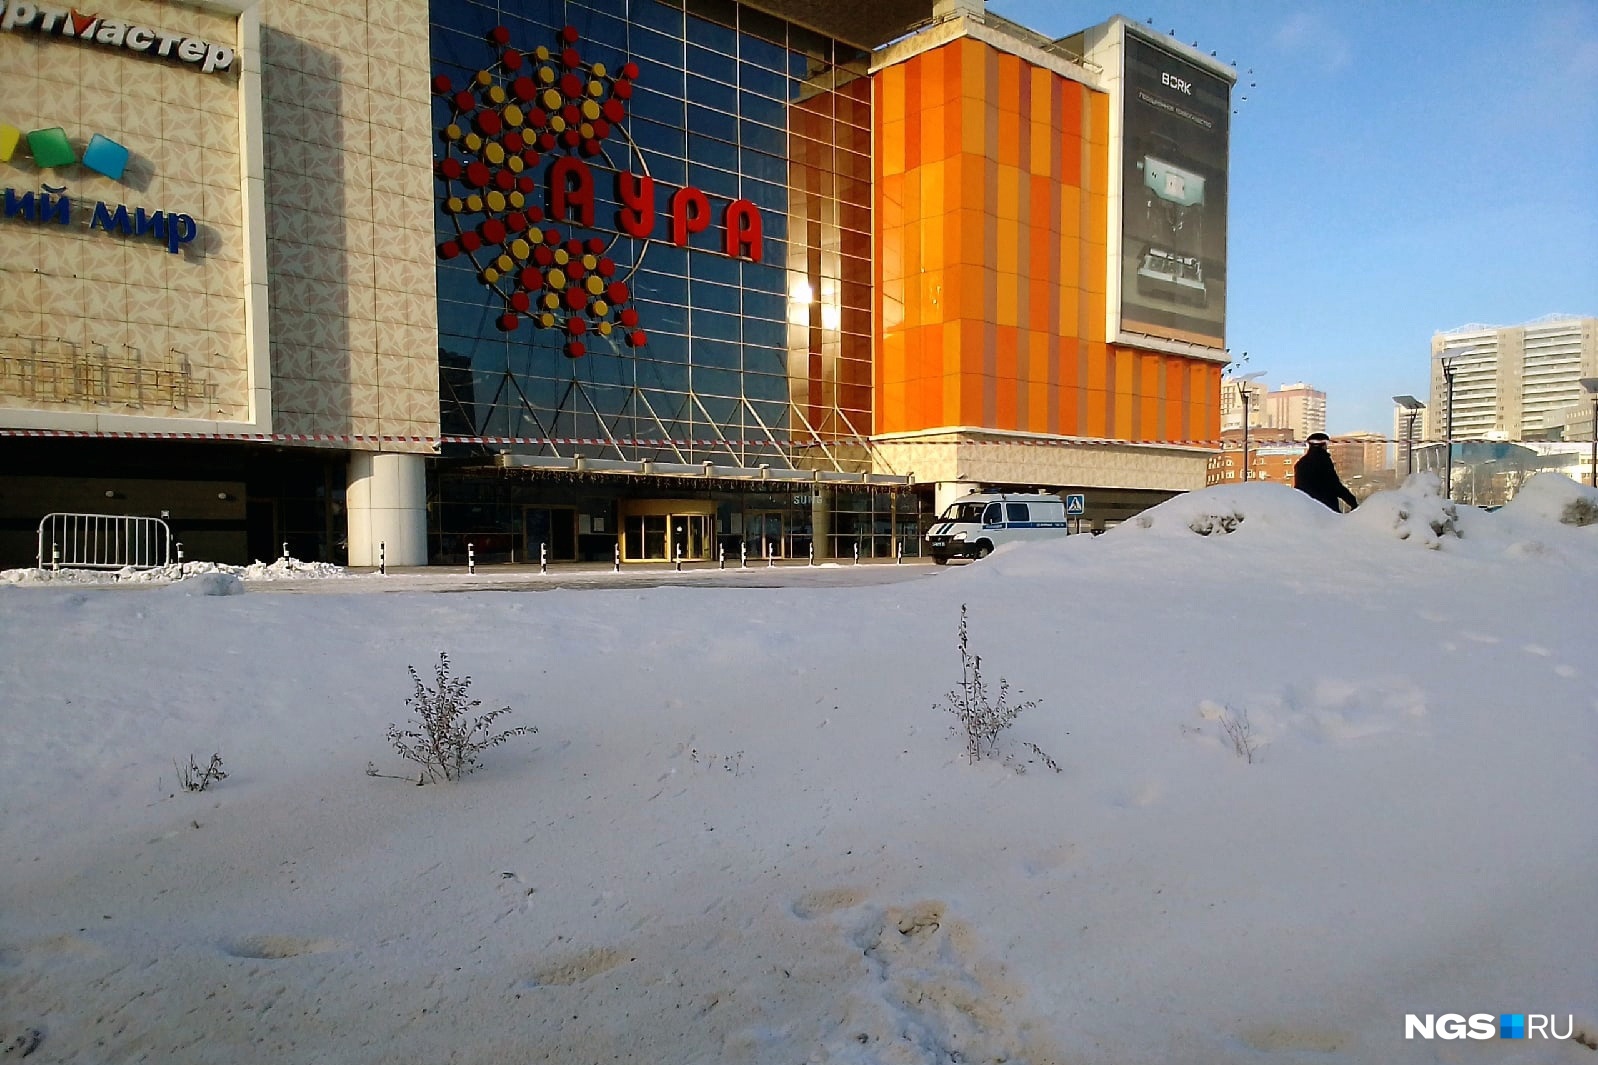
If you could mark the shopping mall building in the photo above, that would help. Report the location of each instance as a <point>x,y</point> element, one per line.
<point>363,276</point>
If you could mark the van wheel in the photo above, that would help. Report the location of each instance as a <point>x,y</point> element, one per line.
<point>984,549</point>
<point>939,560</point>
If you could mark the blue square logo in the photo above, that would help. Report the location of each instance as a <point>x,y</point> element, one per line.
<point>105,156</point>
<point>1511,1026</point>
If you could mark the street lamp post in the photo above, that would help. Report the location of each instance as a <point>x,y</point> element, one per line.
<point>1449,359</point>
<point>1412,408</point>
<point>1591,385</point>
<point>1242,394</point>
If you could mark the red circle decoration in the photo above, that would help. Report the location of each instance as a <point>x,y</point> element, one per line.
<point>546,141</point>
<point>629,71</point>
<point>512,59</point>
<point>576,298</point>
<point>617,292</point>
<point>505,180</point>
<point>493,231</point>
<point>508,322</point>
<point>524,89</point>
<point>605,268</point>
<point>520,301</point>
<point>571,87</point>
<point>574,270</point>
<point>601,129</point>
<point>572,116</point>
<point>576,326</point>
<point>637,338</point>
<point>535,214</point>
<point>575,349</point>
<point>526,184</point>
<point>451,169</point>
<point>536,117</point>
<point>543,257</point>
<point>622,90</point>
<point>470,240</point>
<point>448,250</point>
<point>628,317</point>
<point>530,279</point>
<point>568,34</point>
<point>590,147</point>
<point>477,174</point>
<point>571,138</point>
<point>488,123</point>
<point>441,85</point>
<point>513,142</point>
<point>499,35</point>
<point>552,237</point>
<point>613,110</point>
<point>574,247</point>
<point>516,221</point>
<point>595,245</point>
<point>570,58</point>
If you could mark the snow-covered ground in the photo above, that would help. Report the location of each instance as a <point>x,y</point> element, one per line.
<point>744,832</point>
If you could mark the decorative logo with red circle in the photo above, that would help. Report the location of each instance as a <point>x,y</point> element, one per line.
<point>547,110</point>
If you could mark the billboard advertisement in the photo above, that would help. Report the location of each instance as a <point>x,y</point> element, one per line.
<point>1173,222</point>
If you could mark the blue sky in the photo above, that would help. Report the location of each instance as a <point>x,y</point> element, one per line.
<point>1398,169</point>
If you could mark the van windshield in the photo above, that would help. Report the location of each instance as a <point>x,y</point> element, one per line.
<point>964,512</point>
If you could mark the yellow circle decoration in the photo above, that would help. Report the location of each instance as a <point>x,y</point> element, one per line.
<point>550,99</point>
<point>474,203</point>
<point>520,248</point>
<point>594,284</point>
<point>551,301</point>
<point>505,263</point>
<point>542,52</point>
<point>590,262</point>
<point>546,320</point>
<point>515,163</point>
<point>496,95</point>
<point>490,276</point>
<point>591,110</point>
<point>599,70</point>
<point>546,75</point>
<point>452,131</point>
<point>494,152</point>
<point>556,278</point>
<point>557,123</point>
<point>495,200</point>
<point>562,257</point>
<point>604,329</point>
<point>473,142</point>
<point>454,205</point>
<point>586,130</point>
<point>517,200</point>
<point>514,116</point>
<point>600,308</point>
<point>484,78</point>
<point>595,88</point>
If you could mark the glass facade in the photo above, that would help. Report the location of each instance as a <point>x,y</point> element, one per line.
<point>758,353</point>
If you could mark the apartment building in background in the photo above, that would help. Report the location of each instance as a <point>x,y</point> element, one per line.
<point>1298,407</point>
<point>1518,382</point>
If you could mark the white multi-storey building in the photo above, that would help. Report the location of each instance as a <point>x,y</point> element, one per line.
<point>1298,407</point>
<point>1510,382</point>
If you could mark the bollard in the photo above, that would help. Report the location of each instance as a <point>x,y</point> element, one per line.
<point>618,557</point>
<point>179,546</point>
<point>812,560</point>
<point>678,552</point>
<point>543,558</point>
<point>285,550</point>
<point>898,552</point>
<point>471,559</point>
<point>382,557</point>
<point>721,557</point>
<point>743,555</point>
<point>55,557</point>
<point>857,553</point>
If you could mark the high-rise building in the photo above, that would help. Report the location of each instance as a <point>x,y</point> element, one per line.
<point>1297,407</point>
<point>1510,382</point>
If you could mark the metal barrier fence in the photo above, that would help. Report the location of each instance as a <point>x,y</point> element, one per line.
<point>103,541</point>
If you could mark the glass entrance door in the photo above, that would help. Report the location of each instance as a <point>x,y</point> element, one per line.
<point>554,527</point>
<point>690,536</point>
<point>764,533</point>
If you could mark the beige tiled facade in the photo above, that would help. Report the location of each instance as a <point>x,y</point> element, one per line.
<point>349,215</point>
<point>306,302</point>
<point>108,327</point>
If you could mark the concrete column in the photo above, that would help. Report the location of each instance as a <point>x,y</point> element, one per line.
<point>387,504</point>
<point>821,521</point>
<point>946,492</point>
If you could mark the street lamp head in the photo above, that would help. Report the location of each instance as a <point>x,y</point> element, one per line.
<point>1409,403</point>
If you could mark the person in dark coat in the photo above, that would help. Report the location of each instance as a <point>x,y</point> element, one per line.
<point>1315,474</point>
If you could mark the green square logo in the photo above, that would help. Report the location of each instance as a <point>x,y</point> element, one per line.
<point>51,148</point>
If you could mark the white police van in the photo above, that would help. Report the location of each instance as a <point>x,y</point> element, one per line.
<point>972,526</point>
